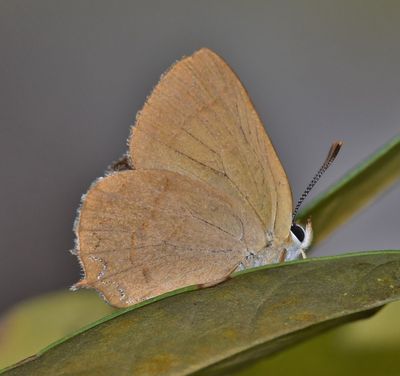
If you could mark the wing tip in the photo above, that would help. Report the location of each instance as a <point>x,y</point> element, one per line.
<point>206,52</point>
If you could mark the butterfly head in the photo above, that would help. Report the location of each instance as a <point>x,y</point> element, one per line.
<point>301,240</point>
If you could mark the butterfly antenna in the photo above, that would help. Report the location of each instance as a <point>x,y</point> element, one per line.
<point>332,154</point>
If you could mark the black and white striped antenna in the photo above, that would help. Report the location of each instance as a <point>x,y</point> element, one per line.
<point>332,154</point>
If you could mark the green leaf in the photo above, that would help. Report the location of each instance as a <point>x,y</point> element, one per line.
<point>212,331</point>
<point>33,324</point>
<point>356,190</point>
<point>367,347</point>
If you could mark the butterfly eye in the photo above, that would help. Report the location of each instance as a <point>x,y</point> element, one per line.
<point>298,232</point>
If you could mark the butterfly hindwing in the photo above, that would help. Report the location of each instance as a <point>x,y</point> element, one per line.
<point>143,233</point>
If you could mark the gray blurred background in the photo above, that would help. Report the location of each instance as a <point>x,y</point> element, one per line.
<point>73,74</point>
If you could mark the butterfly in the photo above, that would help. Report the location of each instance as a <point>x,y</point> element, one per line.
<point>201,193</point>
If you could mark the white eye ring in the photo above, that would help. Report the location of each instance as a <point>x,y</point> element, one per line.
<point>298,231</point>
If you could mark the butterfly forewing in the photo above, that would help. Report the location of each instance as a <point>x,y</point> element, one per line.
<point>199,121</point>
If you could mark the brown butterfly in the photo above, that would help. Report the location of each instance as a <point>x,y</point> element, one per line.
<point>201,194</point>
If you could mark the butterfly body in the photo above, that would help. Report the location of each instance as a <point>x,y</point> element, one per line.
<point>205,194</point>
